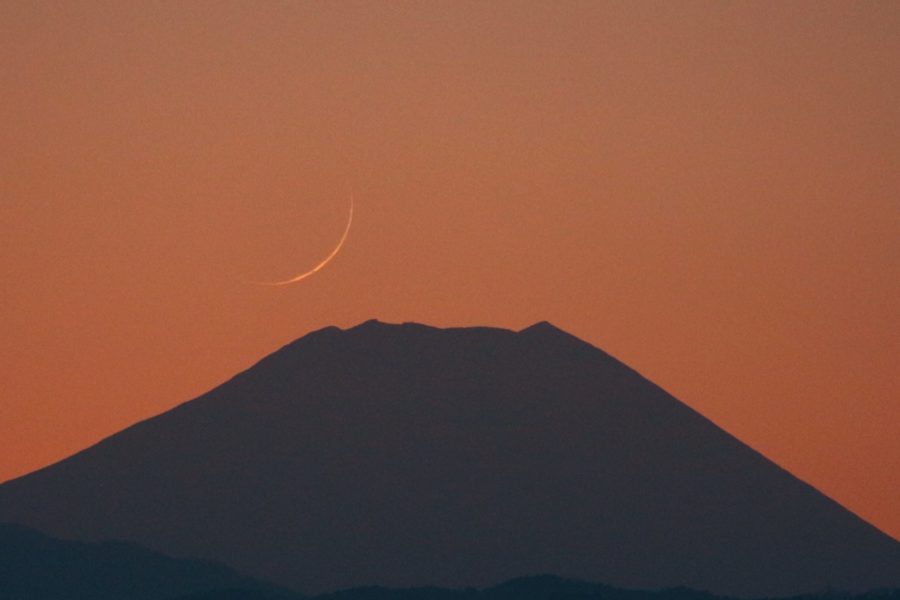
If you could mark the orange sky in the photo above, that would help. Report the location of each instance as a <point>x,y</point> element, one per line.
<point>707,190</point>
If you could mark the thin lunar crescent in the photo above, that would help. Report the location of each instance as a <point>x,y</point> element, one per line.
<point>328,258</point>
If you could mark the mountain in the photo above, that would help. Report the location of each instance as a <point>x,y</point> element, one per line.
<point>36,567</point>
<point>406,455</point>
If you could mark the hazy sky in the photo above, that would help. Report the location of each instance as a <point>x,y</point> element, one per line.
<point>709,191</point>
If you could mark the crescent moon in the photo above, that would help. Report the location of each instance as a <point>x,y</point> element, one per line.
<point>328,258</point>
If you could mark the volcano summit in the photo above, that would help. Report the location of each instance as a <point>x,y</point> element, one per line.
<point>406,455</point>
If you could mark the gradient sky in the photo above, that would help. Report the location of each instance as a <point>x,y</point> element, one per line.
<point>709,191</point>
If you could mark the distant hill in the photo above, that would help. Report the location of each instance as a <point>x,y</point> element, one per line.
<point>542,587</point>
<point>538,587</point>
<point>36,567</point>
<point>409,456</point>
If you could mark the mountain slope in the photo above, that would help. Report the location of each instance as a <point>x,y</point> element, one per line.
<point>405,455</point>
<point>36,567</point>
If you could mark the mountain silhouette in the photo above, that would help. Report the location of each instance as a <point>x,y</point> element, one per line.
<point>407,455</point>
<point>36,567</point>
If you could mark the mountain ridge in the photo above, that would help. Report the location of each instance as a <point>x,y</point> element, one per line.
<point>407,454</point>
<point>36,567</point>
